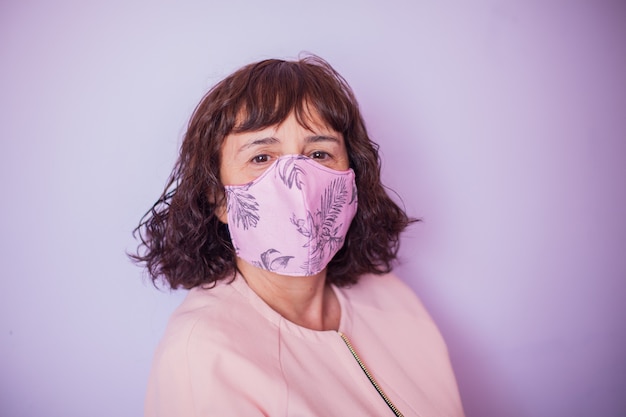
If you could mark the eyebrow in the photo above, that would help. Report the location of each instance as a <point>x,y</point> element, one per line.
<point>257,142</point>
<point>322,138</point>
<point>272,140</point>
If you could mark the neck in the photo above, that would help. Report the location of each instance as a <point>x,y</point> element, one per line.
<point>306,301</point>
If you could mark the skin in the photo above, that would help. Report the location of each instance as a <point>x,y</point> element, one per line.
<point>306,301</point>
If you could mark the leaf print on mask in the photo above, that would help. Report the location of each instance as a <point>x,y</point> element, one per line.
<point>321,229</point>
<point>291,173</point>
<point>244,206</point>
<point>275,264</point>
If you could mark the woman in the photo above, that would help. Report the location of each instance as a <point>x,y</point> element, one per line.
<point>276,221</point>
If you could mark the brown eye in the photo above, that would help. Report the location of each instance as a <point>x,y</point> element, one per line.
<point>319,155</point>
<point>260,159</point>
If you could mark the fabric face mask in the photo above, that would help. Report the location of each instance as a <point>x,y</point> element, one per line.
<point>294,218</point>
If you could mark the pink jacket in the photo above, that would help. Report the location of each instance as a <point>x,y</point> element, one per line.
<point>227,353</point>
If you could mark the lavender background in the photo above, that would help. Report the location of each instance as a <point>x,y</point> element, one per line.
<point>502,125</point>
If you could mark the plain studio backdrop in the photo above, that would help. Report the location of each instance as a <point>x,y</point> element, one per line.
<point>502,125</point>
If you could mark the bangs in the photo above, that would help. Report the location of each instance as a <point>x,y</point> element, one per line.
<point>269,91</point>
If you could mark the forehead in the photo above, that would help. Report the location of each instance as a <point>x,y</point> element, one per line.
<point>290,129</point>
<point>305,114</point>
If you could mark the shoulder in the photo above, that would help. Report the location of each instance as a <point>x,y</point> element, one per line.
<point>211,339</point>
<point>192,320</point>
<point>385,292</point>
<point>208,317</point>
<point>391,327</point>
<point>198,305</point>
<point>172,382</point>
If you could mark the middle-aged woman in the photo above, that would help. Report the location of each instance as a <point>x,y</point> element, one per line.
<point>276,221</point>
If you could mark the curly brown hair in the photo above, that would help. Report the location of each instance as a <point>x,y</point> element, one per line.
<point>182,240</point>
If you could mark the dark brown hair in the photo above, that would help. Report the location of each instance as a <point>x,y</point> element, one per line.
<point>182,240</point>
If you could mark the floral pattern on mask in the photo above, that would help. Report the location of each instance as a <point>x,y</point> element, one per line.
<point>320,227</point>
<point>244,206</point>
<point>291,173</point>
<point>271,262</point>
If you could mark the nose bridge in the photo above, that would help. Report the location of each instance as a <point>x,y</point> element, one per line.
<point>293,148</point>
<point>294,139</point>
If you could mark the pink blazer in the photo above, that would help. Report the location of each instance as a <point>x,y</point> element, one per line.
<point>227,353</point>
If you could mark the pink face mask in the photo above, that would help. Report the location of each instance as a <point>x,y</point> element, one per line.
<point>294,218</point>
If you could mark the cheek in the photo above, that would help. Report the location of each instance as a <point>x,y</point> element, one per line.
<point>227,158</point>
<point>223,171</point>
<point>345,162</point>
<point>223,174</point>
<point>232,170</point>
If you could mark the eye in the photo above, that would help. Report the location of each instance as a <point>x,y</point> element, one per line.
<point>260,159</point>
<point>319,155</point>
